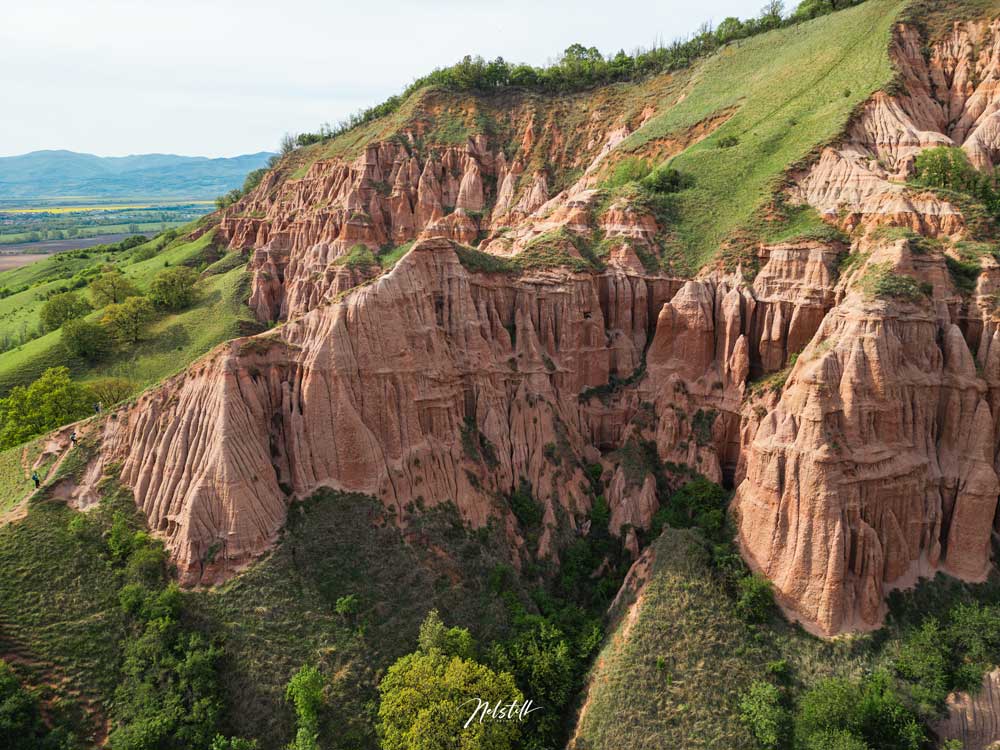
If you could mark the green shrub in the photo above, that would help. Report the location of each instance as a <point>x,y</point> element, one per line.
<point>665,179</point>
<point>923,660</point>
<point>346,606</point>
<point>359,256</point>
<point>869,711</point>
<point>86,339</point>
<point>881,281</point>
<point>60,308</point>
<point>629,169</point>
<point>305,692</point>
<point>173,288</point>
<point>525,507</point>
<point>755,599</point>
<point>963,274</point>
<point>763,714</point>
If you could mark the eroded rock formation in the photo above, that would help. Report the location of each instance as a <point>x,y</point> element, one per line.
<point>869,460</point>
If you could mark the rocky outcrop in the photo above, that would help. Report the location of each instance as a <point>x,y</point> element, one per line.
<point>434,384</point>
<point>974,720</point>
<point>877,465</point>
<point>949,97</point>
<point>381,393</point>
<point>868,461</point>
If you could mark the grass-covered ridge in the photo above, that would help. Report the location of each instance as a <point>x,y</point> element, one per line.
<point>672,675</point>
<point>763,104</point>
<point>793,90</point>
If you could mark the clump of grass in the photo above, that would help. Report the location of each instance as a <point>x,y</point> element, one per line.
<point>359,256</point>
<point>480,262</point>
<point>882,281</point>
<point>801,223</point>
<point>964,274</point>
<point>388,258</point>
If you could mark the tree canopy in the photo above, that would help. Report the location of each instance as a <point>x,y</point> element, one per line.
<point>173,288</point>
<point>112,287</point>
<point>51,401</point>
<point>60,308</point>
<point>428,696</point>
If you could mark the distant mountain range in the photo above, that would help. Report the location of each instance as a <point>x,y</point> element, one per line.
<point>59,174</point>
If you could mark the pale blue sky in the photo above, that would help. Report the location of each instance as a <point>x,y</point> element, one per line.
<point>226,77</point>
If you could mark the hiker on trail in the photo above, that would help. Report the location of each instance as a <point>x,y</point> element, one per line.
<point>97,408</point>
<point>36,480</point>
<point>72,438</point>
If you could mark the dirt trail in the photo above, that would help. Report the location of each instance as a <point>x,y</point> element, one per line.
<point>57,444</point>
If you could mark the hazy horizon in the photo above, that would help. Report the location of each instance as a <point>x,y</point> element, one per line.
<point>110,78</point>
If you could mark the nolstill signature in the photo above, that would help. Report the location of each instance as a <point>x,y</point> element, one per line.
<point>499,711</point>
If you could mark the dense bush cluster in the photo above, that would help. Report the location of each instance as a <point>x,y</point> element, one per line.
<point>52,400</point>
<point>950,654</point>
<point>834,714</point>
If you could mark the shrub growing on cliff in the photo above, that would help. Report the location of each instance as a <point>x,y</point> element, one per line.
<point>949,168</point>
<point>881,281</point>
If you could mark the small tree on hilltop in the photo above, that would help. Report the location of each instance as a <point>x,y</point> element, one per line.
<point>60,308</point>
<point>128,321</point>
<point>112,287</point>
<point>110,391</point>
<point>173,288</point>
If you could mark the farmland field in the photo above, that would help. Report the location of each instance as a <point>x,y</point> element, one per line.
<point>16,260</point>
<point>37,223</point>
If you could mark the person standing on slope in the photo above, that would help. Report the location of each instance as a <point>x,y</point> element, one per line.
<point>36,480</point>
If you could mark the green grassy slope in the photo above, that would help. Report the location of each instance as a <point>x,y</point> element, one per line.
<point>15,471</point>
<point>793,89</point>
<point>172,342</point>
<point>280,614</point>
<point>676,679</point>
<point>60,623</point>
